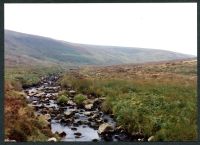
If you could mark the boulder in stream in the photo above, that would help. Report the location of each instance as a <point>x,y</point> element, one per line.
<point>62,134</point>
<point>87,113</point>
<point>88,106</point>
<point>68,113</point>
<point>77,133</point>
<point>104,128</point>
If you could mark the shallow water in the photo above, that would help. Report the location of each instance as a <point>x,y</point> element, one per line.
<point>88,128</point>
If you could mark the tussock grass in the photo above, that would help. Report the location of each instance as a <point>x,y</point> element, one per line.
<point>165,108</point>
<point>79,99</point>
<point>63,99</point>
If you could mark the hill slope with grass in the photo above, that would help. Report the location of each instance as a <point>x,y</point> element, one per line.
<point>24,49</point>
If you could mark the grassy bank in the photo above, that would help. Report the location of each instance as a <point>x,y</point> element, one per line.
<point>163,107</point>
<point>29,76</point>
<point>19,120</point>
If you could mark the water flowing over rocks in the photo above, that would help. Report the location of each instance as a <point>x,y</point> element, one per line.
<point>70,121</point>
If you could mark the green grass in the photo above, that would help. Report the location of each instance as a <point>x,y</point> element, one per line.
<point>63,99</point>
<point>79,99</point>
<point>166,109</point>
<point>29,76</point>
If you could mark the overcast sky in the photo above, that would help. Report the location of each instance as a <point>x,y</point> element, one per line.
<point>159,26</point>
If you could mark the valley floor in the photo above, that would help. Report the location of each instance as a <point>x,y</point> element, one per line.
<point>156,100</point>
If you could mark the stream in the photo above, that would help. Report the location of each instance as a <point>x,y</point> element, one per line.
<point>70,121</point>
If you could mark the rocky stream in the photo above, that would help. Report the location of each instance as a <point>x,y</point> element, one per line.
<point>72,122</point>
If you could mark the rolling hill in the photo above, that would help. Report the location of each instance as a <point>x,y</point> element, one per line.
<point>25,49</point>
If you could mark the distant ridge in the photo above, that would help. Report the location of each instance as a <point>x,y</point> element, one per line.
<point>26,49</point>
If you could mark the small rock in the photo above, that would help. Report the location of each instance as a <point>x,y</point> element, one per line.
<point>95,140</point>
<point>77,133</point>
<point>53,139</point>
<point>74,128</point>
<point>87,113</point>
<point>151,138</point>
<point>140,139</point>
<point>72,92</point>
<point>104,128</point>
<point>70,102</point>
<point>34,102</point>
<point>88,106</point>
<point>62,134</point>
<point>68,113</point>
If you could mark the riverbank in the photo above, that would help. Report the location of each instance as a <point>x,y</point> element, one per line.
<point>75,120</point>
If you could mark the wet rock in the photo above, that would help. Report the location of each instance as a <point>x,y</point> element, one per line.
<point>66,121</point>
<point>48,95</point>
<point>99,121</point>
<point>76,116</point>
<point>62,134</point>
<point>95,140</point>
<point>140,139</point>
<point>74,128</point>
<point>69,113</point>
<point>72,92</point>
<point>75,124</point>
<point>79,122</point>
<point>34,102</point>
<point>151,138</point>
<point>70,102</point>
<point>87,113</point>
<point>94,125</point>
<point>107,137</point>
<point>77,133</point>
<point>88,106</point>
<point>104,128</point>
<point>53,139</point>
<point>76,136</point>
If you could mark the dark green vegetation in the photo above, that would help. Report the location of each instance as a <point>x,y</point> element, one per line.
<point>30,50</point>
<point>62,99</point>
<point>160,103</point>
<point>79,99</point>
<point>20,122</point>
